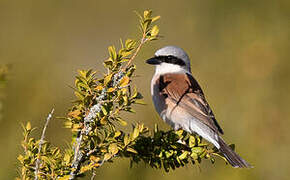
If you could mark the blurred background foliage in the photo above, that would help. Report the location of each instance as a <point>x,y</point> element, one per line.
<point>239,52</point>
<point>3,81</point>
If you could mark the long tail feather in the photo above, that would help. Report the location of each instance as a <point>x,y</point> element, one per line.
<point>233,158</point>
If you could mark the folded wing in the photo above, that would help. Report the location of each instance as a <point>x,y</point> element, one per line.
<point>184,91</point>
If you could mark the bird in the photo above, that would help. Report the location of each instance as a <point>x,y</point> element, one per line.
<point>180,101</point>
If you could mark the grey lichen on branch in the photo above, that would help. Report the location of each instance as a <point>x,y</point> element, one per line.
<point>95,116</point>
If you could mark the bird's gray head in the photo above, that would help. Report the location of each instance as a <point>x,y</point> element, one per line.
<point>170,59</point>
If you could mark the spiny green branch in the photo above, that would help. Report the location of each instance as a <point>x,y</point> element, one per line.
<point>113,86</point>
<point>95,116</point>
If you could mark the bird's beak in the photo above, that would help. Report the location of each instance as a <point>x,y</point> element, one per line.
<point>153,61</point>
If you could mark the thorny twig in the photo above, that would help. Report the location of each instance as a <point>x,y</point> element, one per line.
<point>78,156</point>
<point>37,163</point>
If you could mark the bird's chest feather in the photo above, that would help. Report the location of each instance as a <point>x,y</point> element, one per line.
<point>158,98</point>
<point>163,106</point>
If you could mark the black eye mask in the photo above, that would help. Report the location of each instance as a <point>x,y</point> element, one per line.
<point>170,60</point>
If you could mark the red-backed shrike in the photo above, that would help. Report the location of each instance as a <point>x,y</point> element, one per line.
<point>180,102</point>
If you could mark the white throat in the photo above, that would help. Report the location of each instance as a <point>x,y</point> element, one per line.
<point>165,68</point>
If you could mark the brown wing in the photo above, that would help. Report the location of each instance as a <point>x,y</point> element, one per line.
<point>184,91</point>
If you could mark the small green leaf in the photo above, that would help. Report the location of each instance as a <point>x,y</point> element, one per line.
<point>183,155</point>
<point>113,149</point>
<point>125,99</point>
<point>104,110</point>
<point>168,154</point>
<point>108,63</point>
<point>154,31</point>
<point>155,18</point>
<point>124,53</point>
<point>147,14</point>
<point>179,133</point>
<point>197,150</point>
<point>135,134</point>
<point>107,79</point>
<point>124,81</point>
<point>146,25</point>
<point>111,90</point>
<point>79,95</point>
<point>132,150</point>
<point>126,140</point>
<point>107,156</point>
<point>191,141</point>
<point>122,122</point>
<point>221,156</point>
<point>117,134</point>
<point>28,126</point>
<point>130,44</point>
<point>112,52</point>
<point>212,160</point>
<point>20,158</point>
<point>139,101</point>
<point>104,120</point>
<point>194,155</point>
<point>66,158</point>
<point>66,177</point>
<point>156,129</point>
<point>82,73</point>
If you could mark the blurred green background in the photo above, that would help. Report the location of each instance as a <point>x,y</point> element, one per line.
<point>239,52</point>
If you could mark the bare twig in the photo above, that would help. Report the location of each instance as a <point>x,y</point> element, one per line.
<point>142,42</point>
<point>37,163</point>
<point>93,175</point>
